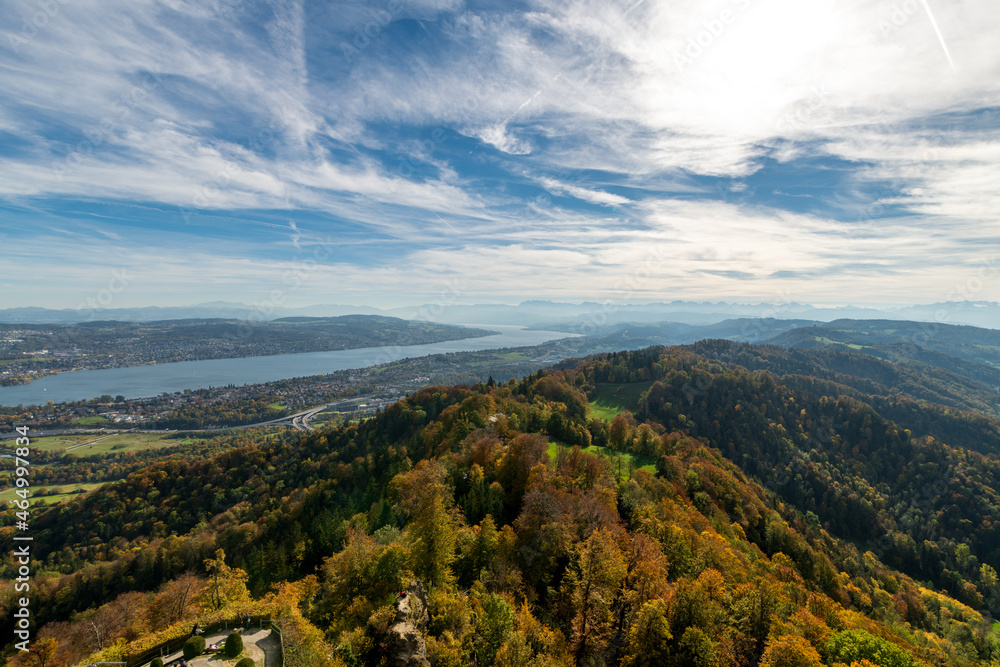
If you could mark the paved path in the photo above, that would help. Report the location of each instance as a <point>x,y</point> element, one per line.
<point>257,644</point>
<point>89,442</point>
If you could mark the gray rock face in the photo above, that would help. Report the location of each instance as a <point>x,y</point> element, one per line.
<point>407,645</point>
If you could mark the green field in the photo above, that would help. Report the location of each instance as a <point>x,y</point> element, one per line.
<point>327,419</point>
<point>59,442</point>
<point>512,356</point>
<point>627,459</point>
<point>105,444</point>
<point>90,421</point>
<point>65,491</point>
<point>830,341</point>
<point>276,406</point>
<point>611,399</point>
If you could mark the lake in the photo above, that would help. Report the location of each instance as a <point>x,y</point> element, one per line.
<point>138,381</point>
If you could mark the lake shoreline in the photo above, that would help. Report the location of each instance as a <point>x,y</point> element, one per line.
<point>477,332</point>
<point>151,380</point>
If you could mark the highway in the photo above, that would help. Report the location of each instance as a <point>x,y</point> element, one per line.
<point>299,421</point>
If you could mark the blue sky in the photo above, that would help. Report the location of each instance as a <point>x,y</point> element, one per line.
<point>377,153</point>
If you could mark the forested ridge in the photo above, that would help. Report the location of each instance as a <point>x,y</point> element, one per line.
<point>900,338</point>
<point>748,506</point>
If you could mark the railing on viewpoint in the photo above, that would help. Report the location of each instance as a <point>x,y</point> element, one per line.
<point>174,645</point>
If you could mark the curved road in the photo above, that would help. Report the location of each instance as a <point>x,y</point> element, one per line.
<point>299,421</point>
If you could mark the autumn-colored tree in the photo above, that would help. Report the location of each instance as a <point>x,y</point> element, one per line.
<point>426,499</point>
<point>701,603</point>
<point>226,585</point>
<point>990,584</point>
<point>581,468</point>
<point>303,643</point>
<point>619,433</point>
<point>484,449</point>
<point>593,585</point>
<point>482,499</point>
<point>548,644</point>
<point>362,576</point>
<point>754,609</point>
<point>132,610</point>
<point>646,440</point>
<point>486,544</point>
<point>649,637</point>
<point>123,617</point>
<point>174,600</point>
<point>516,652</point>
<point>695,649</point>
<point>42,654</point>
<point>646,570</point>
<point>503,573</point>
<point>524,451</point>
<point>496,622</point>
<point>790,651</point>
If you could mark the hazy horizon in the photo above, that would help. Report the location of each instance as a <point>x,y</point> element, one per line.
<point>514,302</point>
<point>583,316</point>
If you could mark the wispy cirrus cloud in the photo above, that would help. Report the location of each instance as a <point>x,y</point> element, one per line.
<point>773,144</point>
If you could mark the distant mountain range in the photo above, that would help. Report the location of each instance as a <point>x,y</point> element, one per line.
<point>572,317</point>
<point>216,310</point>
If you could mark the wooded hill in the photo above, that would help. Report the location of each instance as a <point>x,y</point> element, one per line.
<point>970,351</point>
<point>747,505</point>
<point>99,344</point>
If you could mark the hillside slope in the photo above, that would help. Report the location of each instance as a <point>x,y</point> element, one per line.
<point>727,516</point>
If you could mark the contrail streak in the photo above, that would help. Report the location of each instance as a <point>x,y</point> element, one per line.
<point>629,10</point>
<point>939,35</point>
<point>445,222</point>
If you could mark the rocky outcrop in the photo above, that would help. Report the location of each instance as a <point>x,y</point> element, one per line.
<point>407,645</point>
